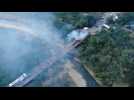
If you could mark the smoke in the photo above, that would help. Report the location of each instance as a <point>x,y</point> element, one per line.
<point>25,38</point>
<point>77,35</point>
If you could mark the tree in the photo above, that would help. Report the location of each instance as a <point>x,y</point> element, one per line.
<point>125,18</point>
<point>106,53</point>
<point>68,21</point>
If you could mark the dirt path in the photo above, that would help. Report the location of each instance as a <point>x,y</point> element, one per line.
<point>76,76</point>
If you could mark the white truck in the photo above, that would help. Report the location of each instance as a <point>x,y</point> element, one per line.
<point>21,78</point>
<point>106,26</point>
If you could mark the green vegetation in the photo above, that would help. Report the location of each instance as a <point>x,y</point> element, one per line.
<point>124,18</point>
<point>110,55</point>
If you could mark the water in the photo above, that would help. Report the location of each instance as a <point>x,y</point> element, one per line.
<point>18,55</point>
<point>26,40</point>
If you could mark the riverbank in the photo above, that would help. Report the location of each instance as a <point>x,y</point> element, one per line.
<point>90,72</point>
<point>75,76</point>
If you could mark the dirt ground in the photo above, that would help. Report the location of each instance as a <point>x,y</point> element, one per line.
<point>75,76</point>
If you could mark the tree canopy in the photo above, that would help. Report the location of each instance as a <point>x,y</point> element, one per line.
<point>110,55</point>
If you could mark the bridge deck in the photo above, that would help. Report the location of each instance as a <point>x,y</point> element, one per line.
<point>46,64</point>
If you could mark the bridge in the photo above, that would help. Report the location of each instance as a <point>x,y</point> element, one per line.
<point>51,60</point>
<point>46,64</point>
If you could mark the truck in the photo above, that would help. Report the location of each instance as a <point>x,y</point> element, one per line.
<point>21,78</point>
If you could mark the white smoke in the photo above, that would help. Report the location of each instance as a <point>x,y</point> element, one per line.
<point>77,34</point>
<point>15,28</point>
